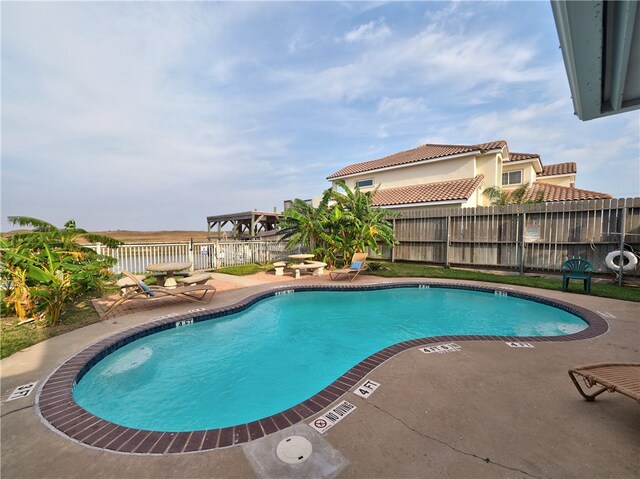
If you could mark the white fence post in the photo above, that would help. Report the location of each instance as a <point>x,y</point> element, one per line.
<point>190,256</point>
<point>136,257</point>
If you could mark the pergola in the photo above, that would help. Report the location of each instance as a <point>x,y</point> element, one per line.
<point>247,224</point>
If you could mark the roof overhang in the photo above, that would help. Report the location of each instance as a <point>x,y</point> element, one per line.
<point>559,175</point>
<point>418,205</point>
<point>536,161</point>
<point>246,215</point>
<point>413,163</point>
<point>600,43</point>
<point>248,223</point>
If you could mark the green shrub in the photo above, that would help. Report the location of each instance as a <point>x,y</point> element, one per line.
<point>45,268</point>
<point>375,266</point>
<point>341,225</point>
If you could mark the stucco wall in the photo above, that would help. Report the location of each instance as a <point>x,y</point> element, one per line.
<point>528,173</point>
<point>488,166</point>
<point>558,180</point>
<point>431,207</point>
<point>446,170</point>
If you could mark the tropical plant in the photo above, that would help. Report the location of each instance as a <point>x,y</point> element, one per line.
<point>303,224</point>
<point>65,238</point>
<point>343,223</point>
<point>46,267</point>
<point>501,197</point>
<point>52,274</point>
<point>15,291</point>
<point>361,224</point>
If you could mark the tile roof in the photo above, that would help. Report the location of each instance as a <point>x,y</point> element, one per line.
<point>520,157</point>
<point>492,145</point>
<point>562,193</point>
<point>428,192</point>
<point>559,169</point>
<point>424,152</point>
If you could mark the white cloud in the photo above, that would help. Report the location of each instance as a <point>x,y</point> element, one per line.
<point>551,130</point>
<point>452,13</point>
<point>399,107</point>
<point>371,32</point>
<point>229,106</point>
<point>483,63</point>
<point>101,101</point>
<point>526,124</point>
<point>382,132</point>
<point>298,43</point>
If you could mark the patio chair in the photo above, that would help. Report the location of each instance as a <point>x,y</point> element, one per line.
<point>358,263</point>
<point>577,268</point>
<point>139,290</point>
<point>623,378</point>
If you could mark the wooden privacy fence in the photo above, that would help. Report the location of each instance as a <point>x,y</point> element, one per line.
<point>536,237</point>
<point>524,237</point>
<point>214,255</point>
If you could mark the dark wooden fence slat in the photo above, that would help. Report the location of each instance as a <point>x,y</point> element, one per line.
<point>488,236</point>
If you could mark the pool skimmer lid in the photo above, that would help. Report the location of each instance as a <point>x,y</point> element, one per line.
<point>294,450</point>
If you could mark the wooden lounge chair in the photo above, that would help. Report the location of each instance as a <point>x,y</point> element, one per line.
<point>358,263</point>
<point>194,279</point>
<point>623,378</point>
<point>136,289</point>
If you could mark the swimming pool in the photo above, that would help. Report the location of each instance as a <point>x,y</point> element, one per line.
<point>278,353</point>
<point>286,348</point>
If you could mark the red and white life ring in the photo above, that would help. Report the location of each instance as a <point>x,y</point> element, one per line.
<point>629,263</point>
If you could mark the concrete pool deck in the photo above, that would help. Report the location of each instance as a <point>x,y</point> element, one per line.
<point>487,411</point>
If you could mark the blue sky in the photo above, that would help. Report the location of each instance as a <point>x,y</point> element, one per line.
<point>152,116</point>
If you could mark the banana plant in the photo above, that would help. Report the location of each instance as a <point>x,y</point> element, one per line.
<point>52,280</point>
<point>303,224</point>
<point>343,224</point>
<point>60,238</point>
<point>45,268</point>
<point>363,225</point>
<point>15,289</point>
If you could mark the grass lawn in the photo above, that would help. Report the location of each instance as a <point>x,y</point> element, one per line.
<point>245,269</point>
<point>14,337</point>
<point>409,270</point>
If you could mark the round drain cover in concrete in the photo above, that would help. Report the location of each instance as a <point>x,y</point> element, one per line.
<point>294,450</point>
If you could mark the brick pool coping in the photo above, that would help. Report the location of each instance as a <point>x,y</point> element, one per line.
<point>59,410</point>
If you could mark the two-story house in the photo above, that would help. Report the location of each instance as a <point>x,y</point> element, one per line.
<point>456,175</point>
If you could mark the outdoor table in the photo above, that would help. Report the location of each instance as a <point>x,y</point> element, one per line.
<point>168,269</point>
<point>301,257</point>
<point>305,264</point>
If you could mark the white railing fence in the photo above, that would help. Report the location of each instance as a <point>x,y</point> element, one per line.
<point>214,255</point>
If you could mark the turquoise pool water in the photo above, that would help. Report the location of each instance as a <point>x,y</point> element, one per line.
<point>284,349</point>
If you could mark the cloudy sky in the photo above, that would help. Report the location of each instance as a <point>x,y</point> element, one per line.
<point>154,115</point>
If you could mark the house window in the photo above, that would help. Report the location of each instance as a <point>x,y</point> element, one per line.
<point>512,177</point>
<point>364,183</point>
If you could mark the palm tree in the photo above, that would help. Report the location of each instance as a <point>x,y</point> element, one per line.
<point>303,224</point>
<point>362,224</point>
<point>46,267</point>
<point>65,238</point>
<point>343,223</point>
